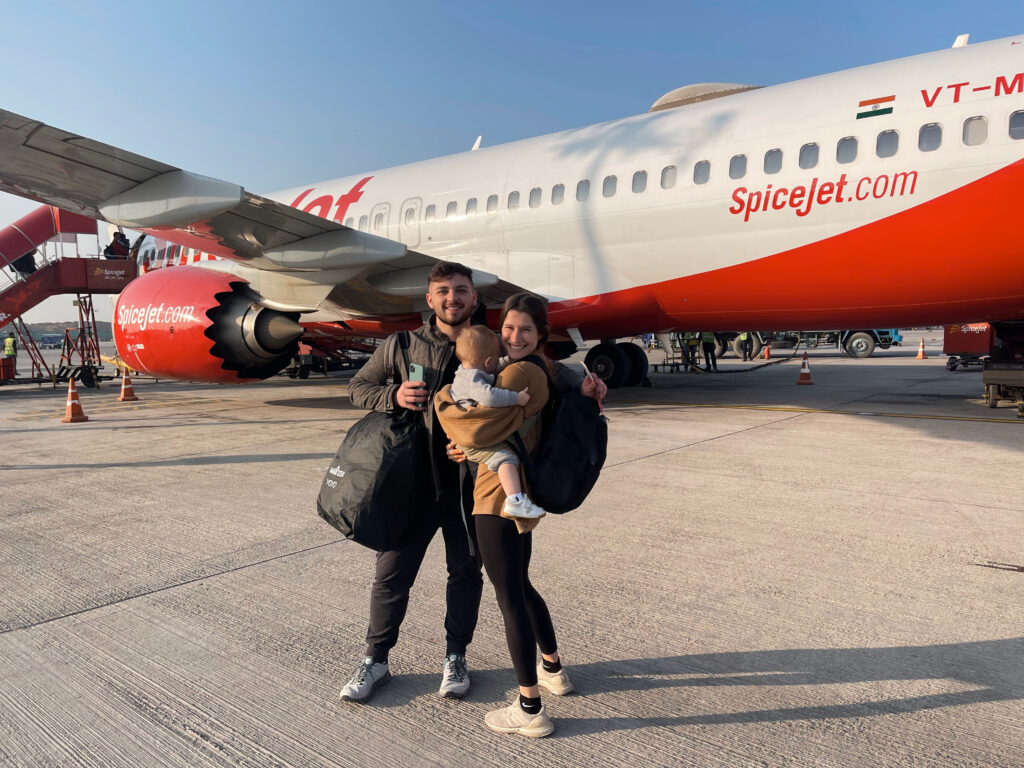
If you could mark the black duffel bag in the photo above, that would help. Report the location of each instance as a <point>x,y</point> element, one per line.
<point>372,490</point>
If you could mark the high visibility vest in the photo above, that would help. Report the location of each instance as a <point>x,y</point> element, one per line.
<point>9,347</point>
<point>707,336</point>
<point>743,336</point>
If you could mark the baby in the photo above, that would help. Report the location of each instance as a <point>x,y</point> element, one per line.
<point>478,349</point>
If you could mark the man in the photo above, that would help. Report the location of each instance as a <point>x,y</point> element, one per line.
<point>11,351</point>
<point>707,339</point>
<point>747,345</point>
<point>451,296</point>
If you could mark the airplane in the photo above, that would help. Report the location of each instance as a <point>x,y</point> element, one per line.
<point>885,195</point>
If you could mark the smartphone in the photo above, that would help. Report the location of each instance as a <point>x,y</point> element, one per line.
<point>415,372</point>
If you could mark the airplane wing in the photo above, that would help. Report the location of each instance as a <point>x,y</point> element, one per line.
<point>300,258</point>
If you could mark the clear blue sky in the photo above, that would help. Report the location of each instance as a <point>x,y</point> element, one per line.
<point>270,96</point>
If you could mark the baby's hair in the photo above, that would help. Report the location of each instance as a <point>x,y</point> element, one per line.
<point>477,342</point>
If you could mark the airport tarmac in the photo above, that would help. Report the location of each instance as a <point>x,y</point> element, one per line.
<point>766,575</point>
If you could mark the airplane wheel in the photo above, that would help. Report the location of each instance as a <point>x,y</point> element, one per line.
<point>755,348</point>
<point>721,349</point>
<point>860,345</point>
<point>638,363</point>
<point>610,364</point>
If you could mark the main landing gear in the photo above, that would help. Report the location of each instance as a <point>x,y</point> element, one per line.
<point>622,364</point>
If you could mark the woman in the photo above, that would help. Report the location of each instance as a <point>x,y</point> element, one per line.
<point>505,544</point>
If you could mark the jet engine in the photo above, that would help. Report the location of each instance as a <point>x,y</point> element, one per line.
<point>200,325</point>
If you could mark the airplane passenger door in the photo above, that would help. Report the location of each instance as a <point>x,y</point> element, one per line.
<point>379,215</point>
<point>409,222</point>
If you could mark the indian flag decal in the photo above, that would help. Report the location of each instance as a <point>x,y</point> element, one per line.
<point>874,107</point>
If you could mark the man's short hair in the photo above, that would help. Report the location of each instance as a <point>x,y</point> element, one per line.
<point>477,343</point>
<point>445,269</point>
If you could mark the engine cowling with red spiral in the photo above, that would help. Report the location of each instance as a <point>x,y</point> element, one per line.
<point>200,325</point>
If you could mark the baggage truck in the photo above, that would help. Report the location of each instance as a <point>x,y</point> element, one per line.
<point>967,345</point>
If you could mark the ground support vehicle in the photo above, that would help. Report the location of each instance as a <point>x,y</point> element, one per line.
<point>1004,381</point>
<point>856,343</point>
<point>967,344</point>
<point>1002,373</point>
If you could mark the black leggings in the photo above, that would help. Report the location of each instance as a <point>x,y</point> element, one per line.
<point>506,556</point>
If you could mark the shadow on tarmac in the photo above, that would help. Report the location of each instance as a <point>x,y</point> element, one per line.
<point>992,666</point>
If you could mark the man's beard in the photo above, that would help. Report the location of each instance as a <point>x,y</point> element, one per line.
<point>455,316</point>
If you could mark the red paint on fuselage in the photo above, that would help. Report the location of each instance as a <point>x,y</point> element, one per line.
<point>957,258</point>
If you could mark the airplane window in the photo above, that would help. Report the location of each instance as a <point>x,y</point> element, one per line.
<point>929,137</point>
<point>609,186</point>
<point>583,190</point>
<point>513,200</point>
<point>378,222</point>
<point>975,131</point>
<point>471,207</point>
<point>668,177</point>
<point>451,210</point>
<point>887,143</point>
<point>1017,125</point>
<point>535,194</point>
<point>364,223</point>
<point>349,222</point>
<point>492,203</point>
<point>808,155</point>
<point>773,161</point>
<point>557,194</point>
<point>429,215</point>
<point>738,167</point>
<point>639,181</point>
<point>701,172</point>
<point>846,150</point>
<point>410,216</point>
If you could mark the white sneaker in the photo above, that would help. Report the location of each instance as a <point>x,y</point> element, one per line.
<point>524,509</point>
<point>512,719</point>
<point>557,683</point>
<point>368,677</point>
<point>455,677</point>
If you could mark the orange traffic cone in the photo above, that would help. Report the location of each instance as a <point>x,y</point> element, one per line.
<point>767,351</point>
<point>805,372</point>
<point>920,351</point>
<point>74,412</point>
<point>127,390</point>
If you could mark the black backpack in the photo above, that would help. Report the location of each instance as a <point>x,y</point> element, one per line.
<point>371,490</point>
<point>571,453</point>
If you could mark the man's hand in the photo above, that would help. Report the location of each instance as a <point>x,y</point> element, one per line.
<point>523,397</point>
<point>412,395</point>
<point>454,453</point>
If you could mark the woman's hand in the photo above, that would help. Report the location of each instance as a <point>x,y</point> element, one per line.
<point>593,387</point>
<point>454,453</point>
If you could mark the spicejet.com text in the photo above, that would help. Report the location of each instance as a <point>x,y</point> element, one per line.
<point>801,198</point>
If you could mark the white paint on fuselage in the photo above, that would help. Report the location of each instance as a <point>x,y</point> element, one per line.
<point>603,244</point>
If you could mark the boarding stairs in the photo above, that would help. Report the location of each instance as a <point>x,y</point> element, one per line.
<point>51,273</point>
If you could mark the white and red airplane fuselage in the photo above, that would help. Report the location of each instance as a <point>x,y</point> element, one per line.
<point>920,236</point>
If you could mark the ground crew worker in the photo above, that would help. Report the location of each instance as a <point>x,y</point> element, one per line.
<point>691,340</point>
<point>747,343</point>
<point>11,351</point>
<point>710,361</point>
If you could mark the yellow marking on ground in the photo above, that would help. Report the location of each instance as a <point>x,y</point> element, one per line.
<point>789,409</point>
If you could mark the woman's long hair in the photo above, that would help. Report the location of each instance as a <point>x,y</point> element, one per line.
<point>537,308</point>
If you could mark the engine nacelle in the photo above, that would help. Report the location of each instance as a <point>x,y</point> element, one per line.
<point>199,325</point>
